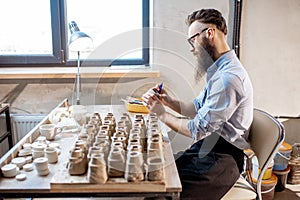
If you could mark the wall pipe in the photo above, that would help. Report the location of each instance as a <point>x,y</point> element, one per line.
<point>238,4</point>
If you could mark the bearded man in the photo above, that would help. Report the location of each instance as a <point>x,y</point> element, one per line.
<point>218,119</point>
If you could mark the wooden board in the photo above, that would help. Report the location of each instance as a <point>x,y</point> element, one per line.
<point>62,179</point>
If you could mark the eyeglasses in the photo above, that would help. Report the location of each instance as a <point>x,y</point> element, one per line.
<point>191,40</point>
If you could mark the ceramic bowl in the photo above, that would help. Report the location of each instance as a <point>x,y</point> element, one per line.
<point>19,161</point>
<point>26,146</point>
<point>28,167</point>
<point>25,152</point>
<point>9,170</point>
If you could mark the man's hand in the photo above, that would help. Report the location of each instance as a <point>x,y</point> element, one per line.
<point>154,104</point>
<point>162,96</point>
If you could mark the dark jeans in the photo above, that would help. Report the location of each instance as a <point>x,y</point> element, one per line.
<point>209,171</point>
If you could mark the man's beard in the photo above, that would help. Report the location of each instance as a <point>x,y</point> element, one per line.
<point>205,58</point>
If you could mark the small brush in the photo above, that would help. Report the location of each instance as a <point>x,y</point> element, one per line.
<point>160,88</point>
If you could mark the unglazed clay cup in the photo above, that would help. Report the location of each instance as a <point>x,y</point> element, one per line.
<point>155,169</point>
<point>51,154</point>
<point>76,152</point>
<point>41,164</point>
<point>37,153</point>
<point>134,170</point>
<point>93,150</point>
<point>155,143</point>
<point>97,172</point>
<point>138,148</point>
<point>97,159</point>
<point>49,131</point>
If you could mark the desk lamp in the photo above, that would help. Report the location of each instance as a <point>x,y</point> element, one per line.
<point>79,41</point>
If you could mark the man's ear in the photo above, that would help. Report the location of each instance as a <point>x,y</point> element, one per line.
<point>210,33</point>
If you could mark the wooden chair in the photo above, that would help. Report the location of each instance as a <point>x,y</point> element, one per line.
<point>265,137</point>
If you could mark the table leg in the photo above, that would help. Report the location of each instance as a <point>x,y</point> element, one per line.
<point>176,196</point>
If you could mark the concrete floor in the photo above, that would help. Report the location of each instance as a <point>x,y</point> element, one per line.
<point>291,192</point>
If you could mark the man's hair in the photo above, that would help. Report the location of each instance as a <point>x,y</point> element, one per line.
<point>208,16</point>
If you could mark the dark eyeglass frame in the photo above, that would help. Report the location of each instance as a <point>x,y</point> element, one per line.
<point>191,39</point>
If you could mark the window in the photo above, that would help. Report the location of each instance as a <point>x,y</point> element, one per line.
<point>35,32</point>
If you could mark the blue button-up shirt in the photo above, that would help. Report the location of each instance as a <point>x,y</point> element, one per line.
<point>225,106</point>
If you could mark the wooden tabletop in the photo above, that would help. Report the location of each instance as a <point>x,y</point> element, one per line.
<point>35,184</point>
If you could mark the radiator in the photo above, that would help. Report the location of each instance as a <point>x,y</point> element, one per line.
<point>22,124</point>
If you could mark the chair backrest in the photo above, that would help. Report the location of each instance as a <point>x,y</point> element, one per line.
<point>265,137</point>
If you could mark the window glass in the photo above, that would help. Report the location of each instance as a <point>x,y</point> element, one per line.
<point>24,28</point>
<point>36,32</point>
<point>112,25</point>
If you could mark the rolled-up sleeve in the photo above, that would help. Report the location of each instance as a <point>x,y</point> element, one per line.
<point>214,106</point>
<point>198,126</point>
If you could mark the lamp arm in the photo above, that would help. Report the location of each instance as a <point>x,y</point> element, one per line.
<point>78,84</point>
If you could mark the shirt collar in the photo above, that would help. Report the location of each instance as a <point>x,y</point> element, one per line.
<point>219,63</point>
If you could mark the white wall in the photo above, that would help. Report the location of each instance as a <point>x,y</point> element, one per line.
<point>171,49</point>
<point>270,47</point>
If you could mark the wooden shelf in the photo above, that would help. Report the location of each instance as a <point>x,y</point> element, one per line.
<point>70,72</point>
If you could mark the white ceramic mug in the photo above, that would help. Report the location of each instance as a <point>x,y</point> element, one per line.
<point>49,131</point>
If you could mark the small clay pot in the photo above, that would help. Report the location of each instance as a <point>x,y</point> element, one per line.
<point>93,150</point>
<point>133,142</point>
<point>154,153</point>
<point>82,145</point>
<point>51,154</point>
<point>107,128</point>
<point>77,166</point>
<point>155,169</point>
<point>116,162</point>
<point>77,152</point>
<point>154,143</point>
<point>138,148</point>
<point>134,170</point>
<point>97,159</point>
<point>41,164</point>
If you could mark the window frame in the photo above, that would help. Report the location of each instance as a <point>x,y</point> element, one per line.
<point>59,57</point>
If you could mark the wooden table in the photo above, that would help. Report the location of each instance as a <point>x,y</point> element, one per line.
<point>38,186</point>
